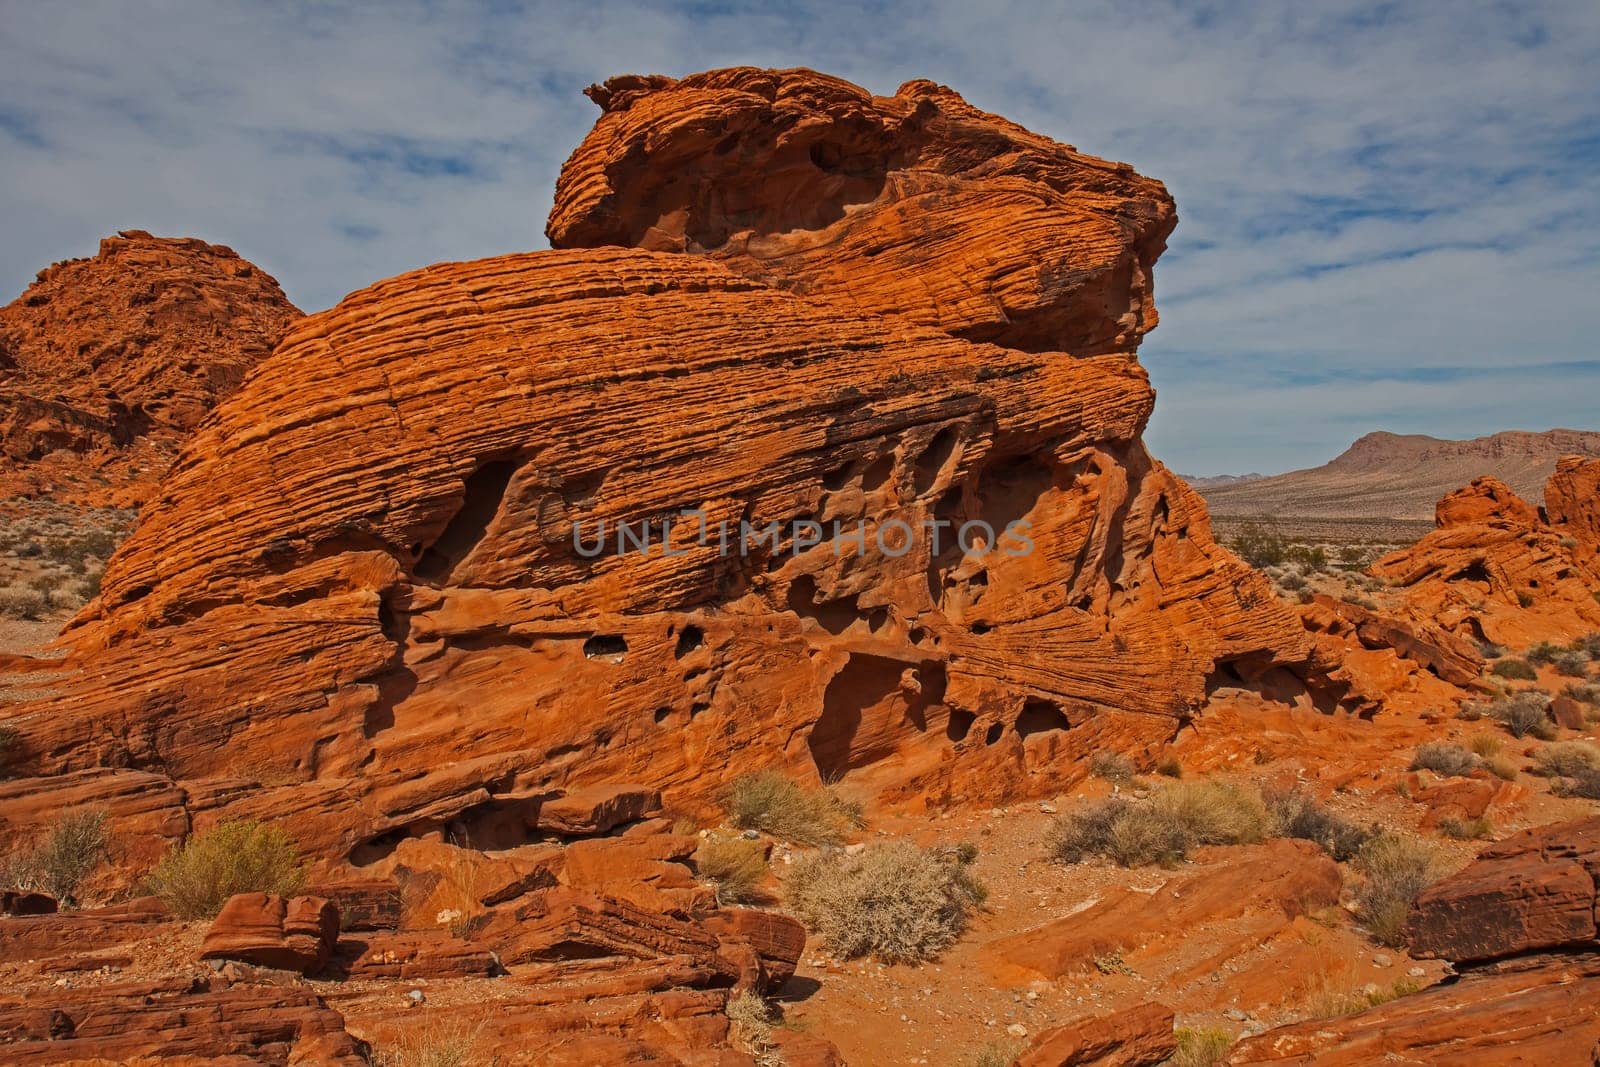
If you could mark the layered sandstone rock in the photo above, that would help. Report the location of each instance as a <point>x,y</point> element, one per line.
<point>1533,892</point>
<point>358,603</point>
<point>1134,1037</point>
<point>1497,569</point>
<point>107,364</point>
<point>296,934</point>
<point>1519,923</point>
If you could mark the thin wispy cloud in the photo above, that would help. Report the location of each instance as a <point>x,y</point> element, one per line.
<point>1390,212</point>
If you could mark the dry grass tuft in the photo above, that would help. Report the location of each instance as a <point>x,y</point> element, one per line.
<point>1163,829</point>
<point>892,901</point>
<point>1566,759</point>
<point>769,802</point>
<point>753,1022</point>
<point>1114,767</point>
<point>197,878</point>
<point>1518,670</point>
<point>441,1043</point>
<point>1200,1048</point>
<point>733,866</point>
<point>1466,829</point>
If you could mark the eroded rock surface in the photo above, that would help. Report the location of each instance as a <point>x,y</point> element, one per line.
<point>358,604</point>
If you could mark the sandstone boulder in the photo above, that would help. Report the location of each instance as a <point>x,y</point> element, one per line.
<point>297,934</point>
<point>1532,892</point>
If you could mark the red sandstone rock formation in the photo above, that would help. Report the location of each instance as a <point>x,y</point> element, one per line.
<point>1135,1037</point>
<point>107,364</point>
<point>260,928</point>
<point>1498,569</point>
<point>360,583</point>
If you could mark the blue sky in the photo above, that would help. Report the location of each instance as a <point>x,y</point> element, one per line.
<point>1390,211</point>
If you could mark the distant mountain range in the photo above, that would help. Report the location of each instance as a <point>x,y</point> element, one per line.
<point>1398,476</point>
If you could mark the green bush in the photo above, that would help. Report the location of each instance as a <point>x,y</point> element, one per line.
<point>769,802</point>
<point>1519,670</point>
<point>1260,545</point>
<point>1394,871</point>
<point>892,901</point>
<point>69,852</point>
<point>197,878</point>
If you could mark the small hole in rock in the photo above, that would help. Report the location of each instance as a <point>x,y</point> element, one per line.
<point>608,647</point>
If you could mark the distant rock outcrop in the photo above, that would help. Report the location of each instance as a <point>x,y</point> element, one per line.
<point>1498,569</point>
<point>1400,476</point>
<point>107,364</point>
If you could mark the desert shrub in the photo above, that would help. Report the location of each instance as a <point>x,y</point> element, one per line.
<point>1523,714</point>
<point>1309,557</point>
<point>1544,653</point>
<point>994,1054</point>
<point>773,804</point>
<point>1518,670</point>
<point>1589,644</point>
<point>197,878</point>
<point>1200,1048</point>
<point>1466,829</point>
<point>1293,581</point>
<point>1440,757</point>
<point>1394,871</point>
<point>753,1022</point>
<point>1566,759</point>
<point>1300,815</point>
<point>1112,766</point>
<point>1583,694</point>
<point>1572,664</point>
<point>1259,545</point>
<point>1169,766</point>
<point>733,866</point>
<point>1162,829</point>
<point>1584,783</point>
<point>26,604</point>
<point>1490,650</point>
<point>57,864</point>
<point>892,901</point>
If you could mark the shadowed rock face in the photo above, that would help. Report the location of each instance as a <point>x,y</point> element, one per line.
<point>108,363</point>
<point>361,585</point>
